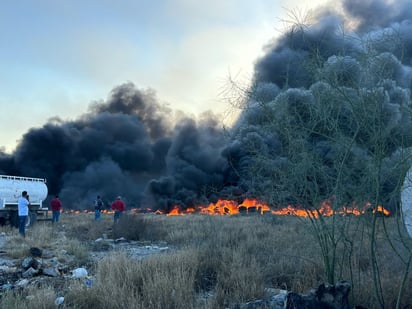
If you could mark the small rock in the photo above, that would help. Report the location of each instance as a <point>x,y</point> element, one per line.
<point>54,261</point>
<point>22,282</point>
<point>47,254</point>
<point>29,262</point>
<point>30,273</point>
<point>36,252</point>
<point>7,286</point>
<point>51,272</point>
<point>278,301</point>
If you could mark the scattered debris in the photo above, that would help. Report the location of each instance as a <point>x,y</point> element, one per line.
<point>80,273</point>
<point>59,300</point>
<point>36,252</point>
<point>58,267</point>
<point>325,296</point>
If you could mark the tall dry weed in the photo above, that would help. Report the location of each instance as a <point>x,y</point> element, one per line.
<point>164,281</point>
<point>84,228</point>
<point>217,261</point>
<point>32,297</point>
<point>39,235</point>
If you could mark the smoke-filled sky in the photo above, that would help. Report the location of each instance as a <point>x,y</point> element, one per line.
<point>56,57</point>
<point>122,99</point>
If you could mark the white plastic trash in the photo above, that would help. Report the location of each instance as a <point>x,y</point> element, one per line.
<point>80,273</point>
<point>59,301</point>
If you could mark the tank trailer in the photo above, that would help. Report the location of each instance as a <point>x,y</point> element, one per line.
<point>11,188</point>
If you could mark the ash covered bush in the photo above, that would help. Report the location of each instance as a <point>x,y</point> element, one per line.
<point>129,226</point>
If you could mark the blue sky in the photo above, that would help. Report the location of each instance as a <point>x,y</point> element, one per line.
<point>58,56</point>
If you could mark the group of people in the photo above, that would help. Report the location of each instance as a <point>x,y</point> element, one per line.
<point>23,203</point>
<point>118,206</point>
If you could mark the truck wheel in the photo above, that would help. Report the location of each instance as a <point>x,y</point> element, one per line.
<point>31,219</point>
<point>14,218</point>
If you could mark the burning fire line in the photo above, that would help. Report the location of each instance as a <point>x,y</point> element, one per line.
<point>231,207</point>
<point>76,211</point>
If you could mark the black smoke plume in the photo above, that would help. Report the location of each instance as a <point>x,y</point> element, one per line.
<point>132,145</point>
<point>128,146</point>
<point>310,87</point>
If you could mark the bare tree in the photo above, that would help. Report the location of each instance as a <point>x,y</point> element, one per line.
<point>341,140</point>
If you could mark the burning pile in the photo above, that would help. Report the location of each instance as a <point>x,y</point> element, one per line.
<point>253,206</point>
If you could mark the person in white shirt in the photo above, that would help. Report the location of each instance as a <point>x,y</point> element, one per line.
<point>23,211</point>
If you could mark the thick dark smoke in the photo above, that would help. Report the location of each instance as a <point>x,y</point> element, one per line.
<point>327,67</point>
<point>121,146</point>
<point>378,14</point>
<point>131,145</point>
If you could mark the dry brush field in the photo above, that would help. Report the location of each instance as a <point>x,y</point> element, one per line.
<point>211,261</point>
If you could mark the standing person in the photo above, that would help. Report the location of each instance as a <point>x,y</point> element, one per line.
<point>23,211</point>
<point>98,206</point>
<point>119,207</point>
<point>56,206</point>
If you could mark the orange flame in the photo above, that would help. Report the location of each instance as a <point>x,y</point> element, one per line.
<point>383,210</point>
<point>249,205</point>
<point>231,207</point>
<point>175,211</point>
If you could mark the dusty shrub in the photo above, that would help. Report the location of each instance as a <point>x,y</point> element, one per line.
<point>117,283</point>
<point>239,280</point>
<point>39,235</point>
<point>29,298</point>
<point>189,230</point>
<point>17,248</point>
<point>168,280</point>
<point>79,250</point>
<point>130,226</point>
<point>164,281</point>
<point>8,229</point>
<point>209,266</point>
<point>217,261</point>
<point>83,227</point>
<point>81,296</point>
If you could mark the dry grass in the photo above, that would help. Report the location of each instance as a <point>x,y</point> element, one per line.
<point>32,297</point>
<point>215,261</point>
<point>79,250</point>
<point>40,235</point>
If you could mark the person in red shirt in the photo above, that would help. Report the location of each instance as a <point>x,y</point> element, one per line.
<point>118,206</point>
<point>56,206</point>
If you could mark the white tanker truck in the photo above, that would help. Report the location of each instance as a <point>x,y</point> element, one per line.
<point>11,188</point>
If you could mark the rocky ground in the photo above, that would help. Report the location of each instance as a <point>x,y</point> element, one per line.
<point>56,267</point>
